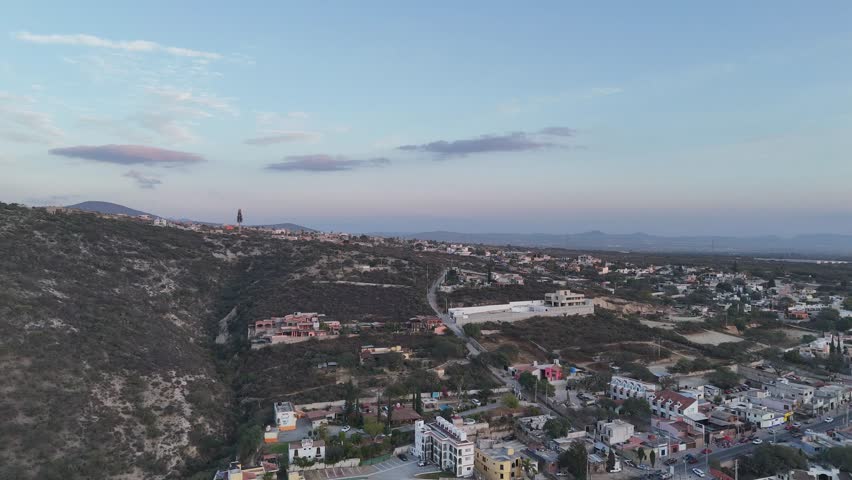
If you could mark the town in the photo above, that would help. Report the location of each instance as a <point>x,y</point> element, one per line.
<point>543,363</point>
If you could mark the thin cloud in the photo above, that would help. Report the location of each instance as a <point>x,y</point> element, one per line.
<point>325,163</point>
<point>282,137</point>
<point>147,182</point>
<point>84,40</point>
<point>513,142</point>
<point>19,123</point>
<point>558,131</point>
<point>129,155</point>
<point>202,100</point>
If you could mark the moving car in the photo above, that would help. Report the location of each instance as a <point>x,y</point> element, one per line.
<point>402,457</point>
<point>828,419</point>
<point>699,472</point>
<point>476,402</point>
<point>809,432</point>
<point>757,441</point>
<point>421,464</point>
<point>797,425</point>
<point>670,461</point>
<point>345,428</point>
<point>706,451</point>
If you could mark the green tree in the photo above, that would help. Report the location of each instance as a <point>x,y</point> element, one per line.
<point>610,460</point>
<point>641,455</point>
<point>723,378</point>
<point>769,460</point>
<point>652,457</point>
<point>372,427</point>
<point>575,460</point>
<point>484,395</point>
<point>472,330</point>
<point>249,439</point>
<point>510,401</point>
<point>556,427</point>
<point>840,457</point>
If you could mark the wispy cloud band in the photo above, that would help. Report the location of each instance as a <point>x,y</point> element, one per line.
<point>129,155</point>
<point>324,163</point>
<point>511,142</point>
<point>85,40</point>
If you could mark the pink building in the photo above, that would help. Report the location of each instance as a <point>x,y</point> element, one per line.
<point>550,371</point>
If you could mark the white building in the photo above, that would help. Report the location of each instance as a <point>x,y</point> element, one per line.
<point>309,449</point>
<point>622,388</point>
<point>444,444</point>
<point>285,416</point>
<point>668,404</point>
<point>558,304</point>
<point>613,432</point>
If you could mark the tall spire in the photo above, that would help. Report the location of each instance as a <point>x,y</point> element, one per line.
<point>240,219</point>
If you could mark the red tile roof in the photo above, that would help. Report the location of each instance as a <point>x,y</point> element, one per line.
<point>665,395</point>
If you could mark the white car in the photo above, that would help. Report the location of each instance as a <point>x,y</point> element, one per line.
<point>345,428</point>
<point>698,472</point>
<point>809,432</point>
<point>757,441</point>
<point>476,402</point>
<point>828,419</point>
<point>797,425</point>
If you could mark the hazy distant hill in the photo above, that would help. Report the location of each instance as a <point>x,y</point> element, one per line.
<point>817,244</point>
<point>116,209</point>
<point>288,226</point>
<point>107,207</point>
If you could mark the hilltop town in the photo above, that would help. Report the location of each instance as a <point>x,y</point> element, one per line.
<point>352,356</point>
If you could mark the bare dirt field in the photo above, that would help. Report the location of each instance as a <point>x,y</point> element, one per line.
<point>708,337</point>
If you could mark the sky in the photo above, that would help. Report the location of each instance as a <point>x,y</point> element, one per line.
<point>666,117</point>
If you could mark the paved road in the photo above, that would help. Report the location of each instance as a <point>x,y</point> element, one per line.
<point>781,435</point>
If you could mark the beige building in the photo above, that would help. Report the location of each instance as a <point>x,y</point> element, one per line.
<point>499,461</point>
<point>564,298</point>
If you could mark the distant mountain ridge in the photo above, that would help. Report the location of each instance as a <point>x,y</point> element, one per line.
<point>108,208</point>
<point>817,244</point>
<point>116,209</point>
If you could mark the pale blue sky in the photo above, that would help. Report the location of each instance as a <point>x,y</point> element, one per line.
<point>674,117</point>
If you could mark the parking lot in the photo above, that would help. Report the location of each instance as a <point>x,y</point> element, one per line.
<point>392,469</point>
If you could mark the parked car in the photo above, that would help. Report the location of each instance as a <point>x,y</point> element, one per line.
<point>757,441</point>
<point>421,464</point>
<point>630,463</point>
<point>643,466</point>
<point>828,419</point>
<point>809,432</point>
<point>345,428</point>
<point>797,425</point>
<point>670,461</point>
<point>699,472</point>
<point>476,402</point>
<point>706,451</point>
<point>403,457</point>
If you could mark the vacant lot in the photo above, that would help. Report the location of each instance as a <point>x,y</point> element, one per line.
<point>708,337</point>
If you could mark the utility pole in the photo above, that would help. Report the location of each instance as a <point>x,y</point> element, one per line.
<point>736,469</point>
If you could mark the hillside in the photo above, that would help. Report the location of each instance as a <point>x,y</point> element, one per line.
<point>107,329</point>
<point>107,207</point>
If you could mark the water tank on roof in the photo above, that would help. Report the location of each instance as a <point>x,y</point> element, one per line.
<point>572,370</point>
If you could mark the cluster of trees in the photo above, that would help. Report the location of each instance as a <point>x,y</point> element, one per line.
<point>723,378</point>
<point>575,460</point>
<point>685,365</point>
<point>535,385</point>
<point>769,460</point>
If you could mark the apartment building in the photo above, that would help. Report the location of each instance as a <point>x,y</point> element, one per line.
<point>622,388</point>
<point>668,404</point>
<point>613,432</point>
<point>796,392</point>
<point>444,444</point>
<point>499,461</point>
<point>285,416</point>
